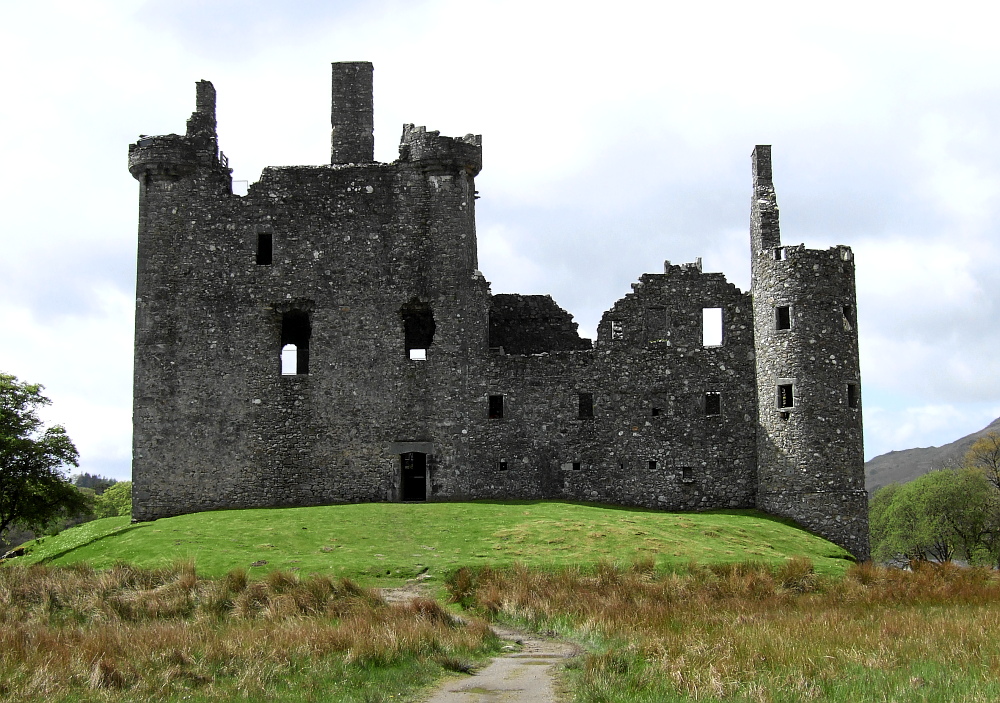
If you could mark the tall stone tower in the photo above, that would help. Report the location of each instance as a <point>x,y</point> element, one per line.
<point>809,440</point>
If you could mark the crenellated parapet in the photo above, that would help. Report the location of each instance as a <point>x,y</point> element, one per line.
<point>430,149</point>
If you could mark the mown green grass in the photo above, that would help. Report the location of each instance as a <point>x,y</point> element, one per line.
<point>387,543</point>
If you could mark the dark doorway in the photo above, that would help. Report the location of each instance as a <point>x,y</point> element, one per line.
<point>414,476</point>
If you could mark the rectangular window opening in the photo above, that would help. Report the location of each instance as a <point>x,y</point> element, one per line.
<point>711,327</point>
<point>577,466</point>
<point>849,317</point>
<point>264,249</point>
<point>713,404</point>
<point>495,411</point>
<point>296,329</point>
<point>652,465</point>
<point>687,474</point>
<point>779,254</point>
<point>502,465</point>
<point>782,318</point>
<point>784,416</point>
<point>656,412</point>
<point>586,406</point>
<point>418,355</point>
<point>852,395</point>
<point>786,395</point>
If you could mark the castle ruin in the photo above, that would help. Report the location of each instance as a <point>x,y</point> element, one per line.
<point>328,337</point>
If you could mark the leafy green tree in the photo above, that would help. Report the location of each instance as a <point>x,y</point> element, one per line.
<point>116,500</point>
<point>34,490</point>
<point>985,454</point>
<point>941,515</point>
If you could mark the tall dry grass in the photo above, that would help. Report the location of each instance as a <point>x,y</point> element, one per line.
<point>133,634</point>
<point>749,632</point>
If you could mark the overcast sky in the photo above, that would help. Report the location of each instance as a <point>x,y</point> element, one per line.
<point>615,135</point>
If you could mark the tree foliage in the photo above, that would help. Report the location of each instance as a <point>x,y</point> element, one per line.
<point>947,514</point>
<point>116,500</point>
<point>34,490</point>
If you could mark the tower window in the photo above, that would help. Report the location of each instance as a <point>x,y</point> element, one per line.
<point>786,395</point>
<point>849,321</point>
<point>264,249</point>
<point>418,329</point>
<point>495,409</point>
<point>711,327</point>
<point>782,318</point>
<point>687,474</point>
<point>852,395</point>
<point>779,253</point>
<point>586,406</point>
<point>713,404</point>
<point>295,333</point>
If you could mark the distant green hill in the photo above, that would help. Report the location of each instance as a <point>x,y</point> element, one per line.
<point>395,541</point>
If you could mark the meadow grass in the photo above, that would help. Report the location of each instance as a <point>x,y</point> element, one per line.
<point>388,543</point>
<point>78,634</point>
<point>753,632</point>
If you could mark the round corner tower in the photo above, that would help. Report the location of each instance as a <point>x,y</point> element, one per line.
<point>810,451</point>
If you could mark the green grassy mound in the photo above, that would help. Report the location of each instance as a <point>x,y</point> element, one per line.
<point>392,542</point>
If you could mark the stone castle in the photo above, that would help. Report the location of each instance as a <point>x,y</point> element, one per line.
<point>328,337</point>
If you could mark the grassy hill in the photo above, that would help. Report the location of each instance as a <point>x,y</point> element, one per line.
<point>387,543</point>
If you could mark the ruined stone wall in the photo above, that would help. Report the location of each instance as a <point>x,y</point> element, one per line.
<point>532,324</point>
<point>413,382</point>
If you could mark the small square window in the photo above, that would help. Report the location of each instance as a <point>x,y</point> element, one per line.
<point>782,318</point>
<point>495,411</point>
<point>617,331</point>
<point>577,466</point>
<point>656,412</point>
<point>652,465</point>
<point>586,406</point>
<point>786,396</point>
<point>687,474</point>
<point>502,465</point>
<point>713,404</point>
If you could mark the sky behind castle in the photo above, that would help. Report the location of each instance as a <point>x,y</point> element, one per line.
<point>614,136</point>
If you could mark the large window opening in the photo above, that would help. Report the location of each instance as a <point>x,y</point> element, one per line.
<point>295,333</point>
<point>586,406</point>
<point>264,249</point>
<point>413,476</point>
<point>711,319</point>
<point>418,329</point>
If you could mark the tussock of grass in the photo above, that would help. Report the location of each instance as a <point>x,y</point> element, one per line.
<point>752,632</point>
<point>81,634</point>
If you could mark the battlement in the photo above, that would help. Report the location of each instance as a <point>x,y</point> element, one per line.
<point>419,146</point>
<point>167,157</point>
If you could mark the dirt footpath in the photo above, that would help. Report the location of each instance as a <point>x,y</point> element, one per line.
<point>524,676</point>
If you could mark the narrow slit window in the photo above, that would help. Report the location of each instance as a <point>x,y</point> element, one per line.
<point>586,406</point>
<point>852,395</point>
<point>713,404</point>
<point>495,410</point>
<point>711,327</point>
<point>786,395</point>
<point>264,249</point>
<point>617,332</point>
<point>782,318</point>
<point>296,330</point>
